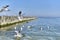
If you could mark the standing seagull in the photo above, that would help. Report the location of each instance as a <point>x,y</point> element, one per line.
<point>20,16</point>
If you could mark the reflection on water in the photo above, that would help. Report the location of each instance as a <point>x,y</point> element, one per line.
<point>36,30</point>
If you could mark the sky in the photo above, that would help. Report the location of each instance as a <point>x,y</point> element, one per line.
<point>42,8</point>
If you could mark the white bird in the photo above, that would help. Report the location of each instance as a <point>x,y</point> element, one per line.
<point>29,27</point>
<point>18,34</point>
<point>21,28</point>
<point>15,28</point>
<point>41,28</point>
<point>48,27</point>
<point>19,18</point>
<point>5,8</point>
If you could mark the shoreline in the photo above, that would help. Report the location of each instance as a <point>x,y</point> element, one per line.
<point>16,21</point>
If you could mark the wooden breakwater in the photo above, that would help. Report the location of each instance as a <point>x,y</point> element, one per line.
<point>13,20</point>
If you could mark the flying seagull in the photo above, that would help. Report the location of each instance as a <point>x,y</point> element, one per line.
<point>4,8</point>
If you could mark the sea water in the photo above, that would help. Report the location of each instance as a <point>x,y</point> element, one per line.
<point>39,29</point>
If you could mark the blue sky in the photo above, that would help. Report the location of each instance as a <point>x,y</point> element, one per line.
<point>44,8</point>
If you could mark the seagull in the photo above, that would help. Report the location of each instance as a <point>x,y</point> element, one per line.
<point>21,28</point>
<point>15,28</point>
<point>18,34</point>
<point>19,18</point>
<point>29,27</point>
<point>4,8</point>
<point>48,27</point>
<point>41,28</point>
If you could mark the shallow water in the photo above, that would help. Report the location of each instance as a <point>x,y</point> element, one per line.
<point>40,29</point>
